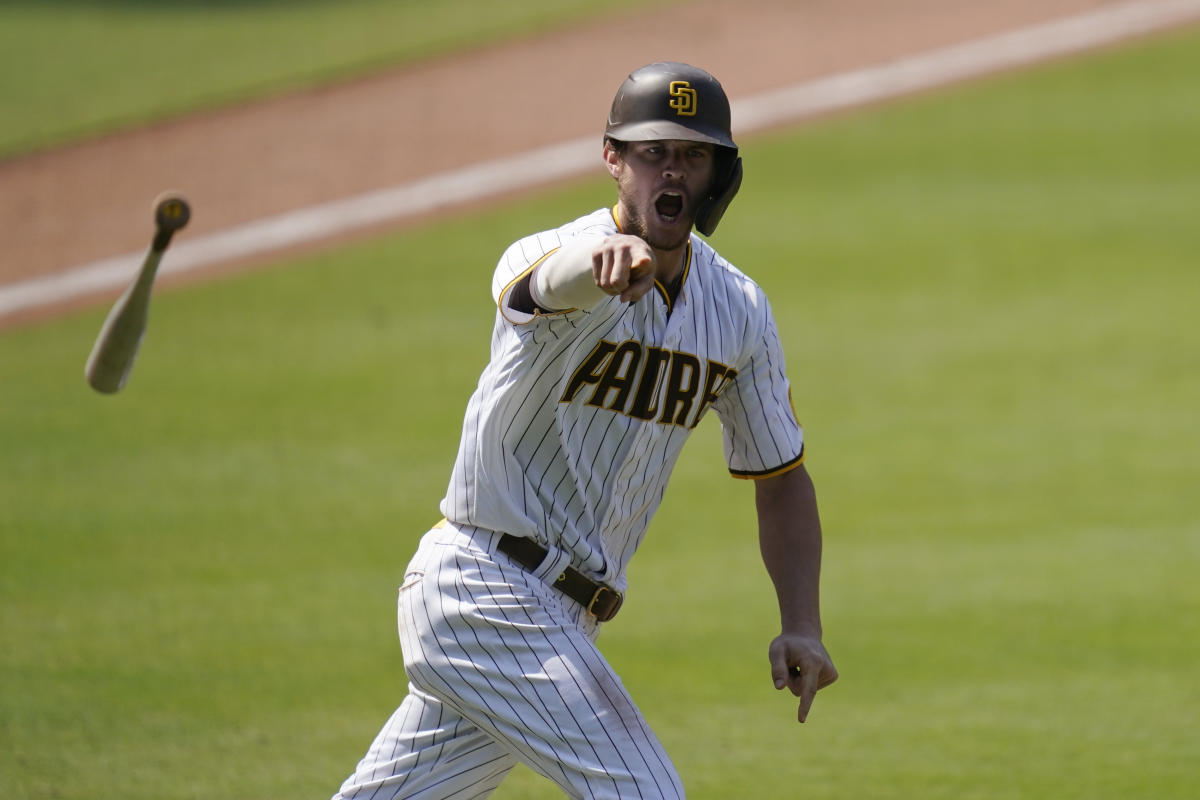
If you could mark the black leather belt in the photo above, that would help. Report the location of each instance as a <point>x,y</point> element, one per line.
<point>601,600</point>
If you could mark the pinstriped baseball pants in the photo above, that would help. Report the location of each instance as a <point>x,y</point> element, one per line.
<point>503,669</point>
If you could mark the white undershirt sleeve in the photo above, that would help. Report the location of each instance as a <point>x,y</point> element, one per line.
<point>564,280</point>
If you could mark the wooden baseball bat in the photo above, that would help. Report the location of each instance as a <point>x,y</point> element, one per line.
<point>116,346</point>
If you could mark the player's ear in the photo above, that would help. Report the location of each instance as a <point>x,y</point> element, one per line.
<point>612,158</point>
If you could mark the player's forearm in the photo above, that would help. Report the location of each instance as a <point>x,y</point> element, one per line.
<point>790,540</point>
<point>565,280</point>
<point>582,273</point>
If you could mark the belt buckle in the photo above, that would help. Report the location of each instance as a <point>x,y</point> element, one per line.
<point>609,610</point>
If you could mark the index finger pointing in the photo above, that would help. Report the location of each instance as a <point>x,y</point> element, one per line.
<point>809,683</point>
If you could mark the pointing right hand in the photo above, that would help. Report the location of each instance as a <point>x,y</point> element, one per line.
<point>624,265</point>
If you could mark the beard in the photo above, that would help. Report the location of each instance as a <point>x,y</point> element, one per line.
<point>638,225</point>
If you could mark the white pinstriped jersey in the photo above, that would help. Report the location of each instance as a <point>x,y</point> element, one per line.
<point>578,419</point>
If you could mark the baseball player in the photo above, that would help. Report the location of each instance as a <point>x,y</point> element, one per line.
<point>615,335</point>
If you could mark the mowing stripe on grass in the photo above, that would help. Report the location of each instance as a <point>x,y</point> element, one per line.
<point>569,159</point>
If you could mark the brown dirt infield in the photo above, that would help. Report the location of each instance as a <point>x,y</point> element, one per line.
<point>91,200</point>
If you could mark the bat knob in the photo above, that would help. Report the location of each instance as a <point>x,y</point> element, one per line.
<point>171,212</point>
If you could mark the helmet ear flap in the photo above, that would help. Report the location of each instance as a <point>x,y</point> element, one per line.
<point>722,195</point>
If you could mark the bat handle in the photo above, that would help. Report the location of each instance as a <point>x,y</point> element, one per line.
<point>162,238</point>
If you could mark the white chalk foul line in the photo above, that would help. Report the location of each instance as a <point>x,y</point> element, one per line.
<point>580,156</point>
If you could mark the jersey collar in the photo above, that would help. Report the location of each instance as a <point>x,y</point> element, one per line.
<point>669,294</point>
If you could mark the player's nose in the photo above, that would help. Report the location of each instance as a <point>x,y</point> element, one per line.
<point>674,168</point>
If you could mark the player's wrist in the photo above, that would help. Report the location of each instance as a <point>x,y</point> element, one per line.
<point>801,628</point>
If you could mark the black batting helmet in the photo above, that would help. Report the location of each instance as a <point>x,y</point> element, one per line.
<point>671,100</point>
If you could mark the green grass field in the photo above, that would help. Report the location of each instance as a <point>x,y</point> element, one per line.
<point>984,295</point>
<point>77,68</point>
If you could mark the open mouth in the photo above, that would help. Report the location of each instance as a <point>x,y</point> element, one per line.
<point>669,205</point>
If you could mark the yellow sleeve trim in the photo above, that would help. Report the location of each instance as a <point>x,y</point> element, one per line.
<point>502,301</point>
<point>771,473</point>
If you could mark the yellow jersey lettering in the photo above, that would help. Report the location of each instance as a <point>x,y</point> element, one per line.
<point>716,377</point>
<point>682,386</point>
<point>618,376</point>
<point>590,371</point>
<point>645,402</point>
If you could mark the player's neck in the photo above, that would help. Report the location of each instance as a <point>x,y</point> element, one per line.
<point>670,263</point>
